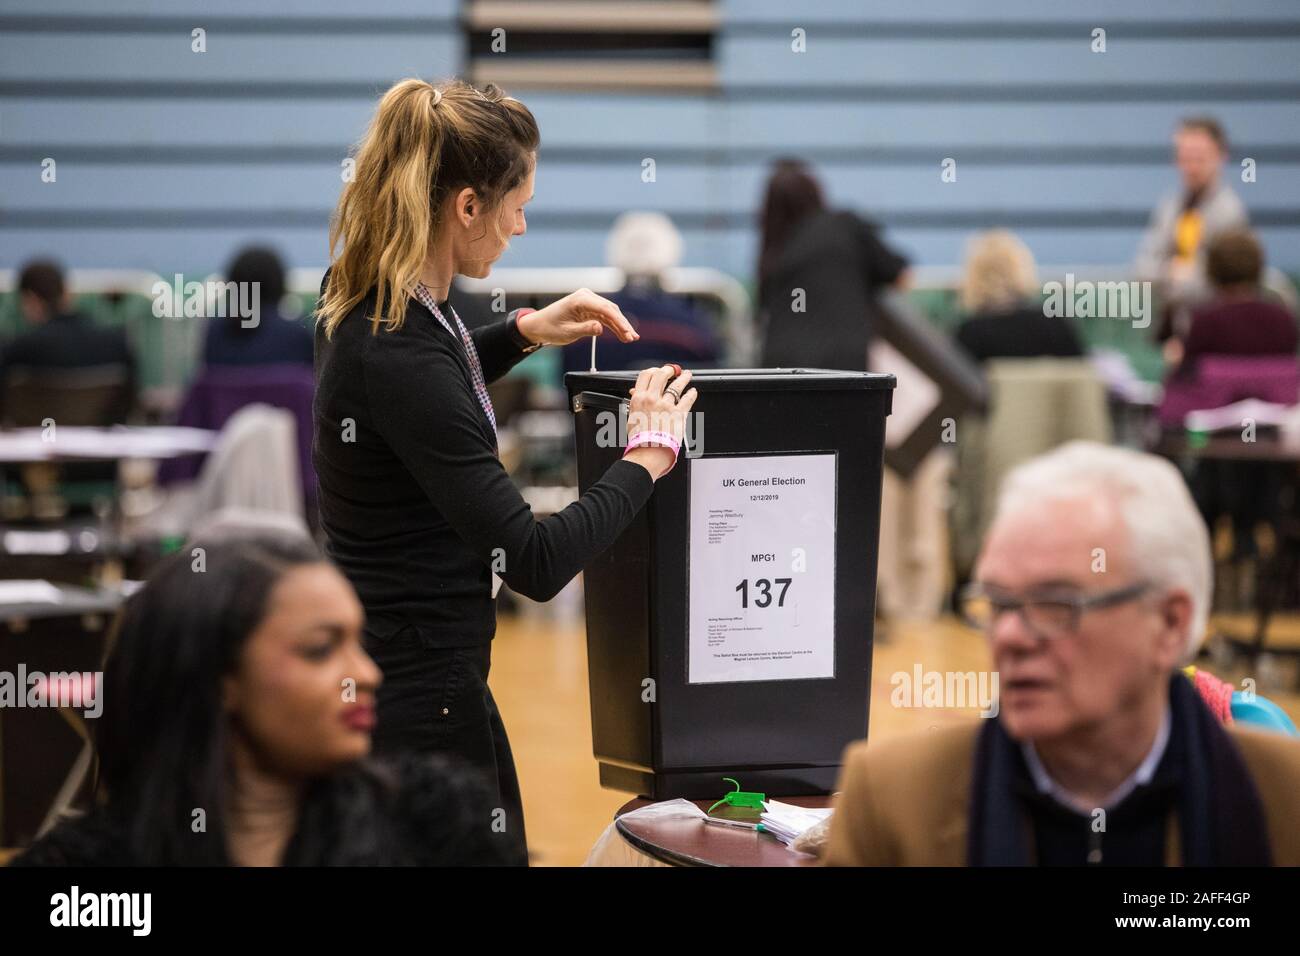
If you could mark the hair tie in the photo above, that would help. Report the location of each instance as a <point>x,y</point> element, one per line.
<point>437,96</point>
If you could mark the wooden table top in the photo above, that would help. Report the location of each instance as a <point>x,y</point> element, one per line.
<point>1227,447</point>
<point>689,842</point>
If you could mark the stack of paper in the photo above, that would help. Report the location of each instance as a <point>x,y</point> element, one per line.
<point>1234,416</point>
<point>785,821</point>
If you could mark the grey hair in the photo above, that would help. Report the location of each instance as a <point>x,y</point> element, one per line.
<point>643,244</point>
<point>1167,535</point>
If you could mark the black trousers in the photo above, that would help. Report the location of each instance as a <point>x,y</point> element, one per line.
<point>436,700</point>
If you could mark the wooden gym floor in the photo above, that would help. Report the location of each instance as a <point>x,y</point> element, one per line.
<point>539,679</point>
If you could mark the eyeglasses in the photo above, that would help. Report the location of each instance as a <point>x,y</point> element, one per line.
<point>1051,616</point>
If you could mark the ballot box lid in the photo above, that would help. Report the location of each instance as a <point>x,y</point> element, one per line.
<point>746,379</point>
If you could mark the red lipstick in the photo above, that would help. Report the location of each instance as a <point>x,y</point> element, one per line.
<point>359,717</point>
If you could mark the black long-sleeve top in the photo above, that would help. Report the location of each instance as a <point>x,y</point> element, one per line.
<point>409,810</point>
<point>1021,332</point>
<point>68,341</point>
<point>416,506</point>
<point>819,298</point>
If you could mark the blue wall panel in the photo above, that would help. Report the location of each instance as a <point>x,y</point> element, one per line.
<point>168,159</point>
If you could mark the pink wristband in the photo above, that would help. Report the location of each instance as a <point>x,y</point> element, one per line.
<point>660,439</point>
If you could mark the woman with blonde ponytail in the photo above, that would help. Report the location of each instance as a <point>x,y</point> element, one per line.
<point>416,507</point>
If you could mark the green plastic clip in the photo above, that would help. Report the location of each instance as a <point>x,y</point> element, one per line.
<point>740,798</point>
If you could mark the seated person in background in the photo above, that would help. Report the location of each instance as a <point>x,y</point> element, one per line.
<point>1101,751</point>
<point>1001,297</point>
<point>645,245</point>
<point>274,339</point>
<point>60,338</point>
<point>240,692</point>
<point>1186,220</point>
<point>1238,320</point>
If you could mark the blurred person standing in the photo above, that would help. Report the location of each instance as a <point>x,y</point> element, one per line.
<point>417,507</point>
<point>1172,252</point>
<point>820,275</point>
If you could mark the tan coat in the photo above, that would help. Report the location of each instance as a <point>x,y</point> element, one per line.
<point>904,800</point>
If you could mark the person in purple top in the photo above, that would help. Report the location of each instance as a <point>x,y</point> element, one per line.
<point>1239,319</point>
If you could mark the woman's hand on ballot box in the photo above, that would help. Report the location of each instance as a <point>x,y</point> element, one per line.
<point>656,417</point>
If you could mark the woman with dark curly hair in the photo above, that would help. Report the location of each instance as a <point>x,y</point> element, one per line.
<point>238,710</point>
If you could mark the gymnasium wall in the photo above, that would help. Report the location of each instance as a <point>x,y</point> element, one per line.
<point>168,159</point>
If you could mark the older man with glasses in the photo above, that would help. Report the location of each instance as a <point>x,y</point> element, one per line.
<point>1092,588</point>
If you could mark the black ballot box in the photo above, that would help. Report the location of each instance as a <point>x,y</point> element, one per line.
<point>729,628</point>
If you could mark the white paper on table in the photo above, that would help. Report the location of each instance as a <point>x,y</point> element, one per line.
<point>29,592</point>
<point>762,568</point>
<point>154,442</point>
<point>37,542</point>
<point>25,444</point>
<point>787,822</point>
<point>110,444</point>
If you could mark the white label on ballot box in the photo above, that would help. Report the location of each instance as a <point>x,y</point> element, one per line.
<point>762,568</point>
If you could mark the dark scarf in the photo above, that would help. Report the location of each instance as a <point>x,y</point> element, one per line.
<point>1194,198</point>
<point>1220,815</point>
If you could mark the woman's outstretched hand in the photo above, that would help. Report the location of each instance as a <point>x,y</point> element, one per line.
<point>577,315</point>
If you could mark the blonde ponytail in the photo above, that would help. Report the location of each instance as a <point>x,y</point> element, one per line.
<point>423,143</point>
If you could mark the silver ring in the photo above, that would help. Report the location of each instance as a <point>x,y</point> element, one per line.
<point>677,396</point>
